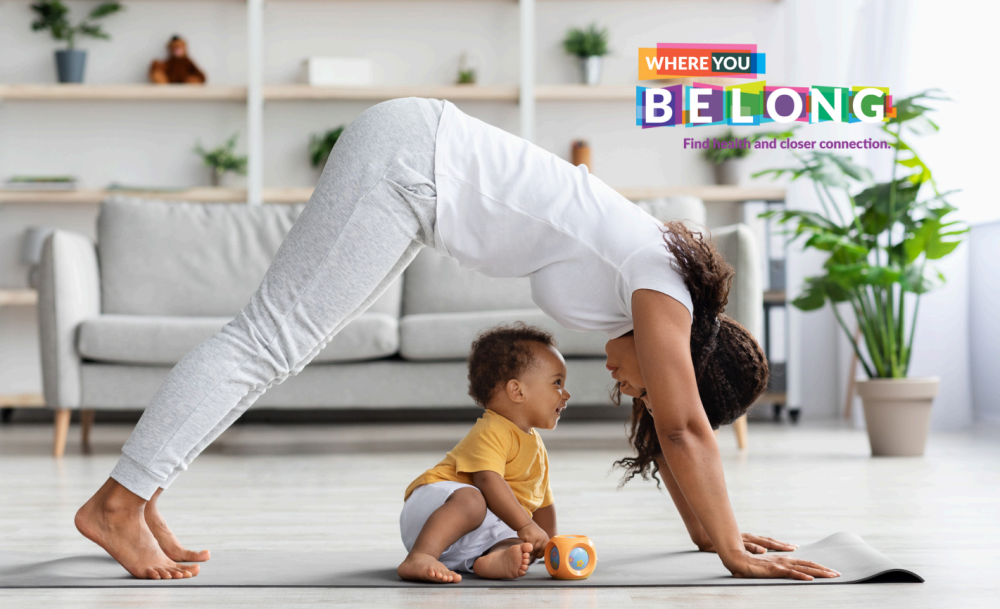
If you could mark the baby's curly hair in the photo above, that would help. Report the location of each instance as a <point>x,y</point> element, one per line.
<point>500,354</point>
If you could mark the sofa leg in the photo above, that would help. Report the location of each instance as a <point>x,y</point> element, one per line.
<point>740,427</point>
<point>62,430</point>
<point>86,424</point>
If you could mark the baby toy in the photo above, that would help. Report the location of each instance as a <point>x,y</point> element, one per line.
<point>177,68</point>
<point>570,557</point>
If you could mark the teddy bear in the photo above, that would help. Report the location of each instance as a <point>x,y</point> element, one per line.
<point>178,68</point>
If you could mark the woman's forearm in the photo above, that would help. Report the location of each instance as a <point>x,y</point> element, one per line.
<point>691,522</point>
<point>693,458</point>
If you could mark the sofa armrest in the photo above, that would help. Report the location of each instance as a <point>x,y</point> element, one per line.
<point>738,246</point>
<point>69,291</point>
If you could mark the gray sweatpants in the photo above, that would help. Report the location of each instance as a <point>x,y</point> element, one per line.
<point>372,211</point>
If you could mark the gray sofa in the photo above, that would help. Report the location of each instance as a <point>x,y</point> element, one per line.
<point>164,276</point>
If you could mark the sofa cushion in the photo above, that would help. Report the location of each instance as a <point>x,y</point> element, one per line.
<point>141,339</point>
<point>436,284</point>
<point>448,336</point>
<point>191,259</point>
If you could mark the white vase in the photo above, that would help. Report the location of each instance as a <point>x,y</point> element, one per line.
<point>898,414</point>
<point>590,70</point>
<point>727,173</point>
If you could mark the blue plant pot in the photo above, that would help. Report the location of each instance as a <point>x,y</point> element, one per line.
<point>70,65</point>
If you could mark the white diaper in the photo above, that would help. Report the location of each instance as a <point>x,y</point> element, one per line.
<point>463,553</point>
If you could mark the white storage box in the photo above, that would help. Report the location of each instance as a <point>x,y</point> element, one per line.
<point>338,71</point>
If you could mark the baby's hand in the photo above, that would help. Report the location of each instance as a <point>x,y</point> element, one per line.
<point>533,534</point>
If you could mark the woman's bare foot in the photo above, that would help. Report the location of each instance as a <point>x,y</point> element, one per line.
<point>424,567</point>
<point>113,519</point>
<point>166,538</point>
<point>509,563</point>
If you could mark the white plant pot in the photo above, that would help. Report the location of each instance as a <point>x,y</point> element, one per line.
<point>590,70</point>
<point>727,173</point>
<point>898,414</point>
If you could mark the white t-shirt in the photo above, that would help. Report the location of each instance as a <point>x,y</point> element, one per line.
<point>507,208</point>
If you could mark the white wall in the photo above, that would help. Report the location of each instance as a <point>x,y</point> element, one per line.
<point>984,324</point>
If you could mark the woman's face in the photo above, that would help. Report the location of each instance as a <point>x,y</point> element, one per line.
<point>623,362</point>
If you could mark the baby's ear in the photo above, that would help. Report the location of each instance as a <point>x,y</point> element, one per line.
<point>515,390</point>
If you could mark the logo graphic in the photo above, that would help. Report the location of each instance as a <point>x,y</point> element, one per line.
<point>752,103</point>
<point>670,60</point>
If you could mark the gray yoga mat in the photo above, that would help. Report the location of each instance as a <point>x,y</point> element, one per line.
<point>616,567</point>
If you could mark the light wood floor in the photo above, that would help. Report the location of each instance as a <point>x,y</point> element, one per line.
<point>262,487</point>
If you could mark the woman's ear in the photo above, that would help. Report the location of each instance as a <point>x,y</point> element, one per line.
<point>515,391</point>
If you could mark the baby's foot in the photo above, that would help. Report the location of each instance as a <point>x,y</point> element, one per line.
<point>509,563</point>
<point>424,567</point>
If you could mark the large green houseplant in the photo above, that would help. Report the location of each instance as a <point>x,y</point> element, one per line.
<point>882,240</point>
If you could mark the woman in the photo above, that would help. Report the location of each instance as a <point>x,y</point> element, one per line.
<point>410,173</point>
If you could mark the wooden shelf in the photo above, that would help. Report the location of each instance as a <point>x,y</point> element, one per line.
<point>506,93</point>
<point>87,196</point>
<point>135,92</point>
<point>13,297</point>
<point>709,194</point>
<point>774,297</point>
<point>772,398</point>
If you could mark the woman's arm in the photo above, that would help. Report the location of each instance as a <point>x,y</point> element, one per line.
<point>546,518</point>
<point>752,543</point>
<point>691,522</point>
<point>663,345</point>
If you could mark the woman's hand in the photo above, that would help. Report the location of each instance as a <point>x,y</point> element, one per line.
<point>777,566</point>
<point>754,544</point>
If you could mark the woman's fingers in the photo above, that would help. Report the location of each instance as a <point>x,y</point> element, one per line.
<point>754,548</point>
<point>769,542</point>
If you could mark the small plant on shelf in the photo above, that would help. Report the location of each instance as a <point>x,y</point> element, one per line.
<point>321,145</point>
<point>724,160</point>
<point>589,42</point>
<point>53,15</point>
<point>223,160</point>
<point>466,73</point>
<point>589,45</point>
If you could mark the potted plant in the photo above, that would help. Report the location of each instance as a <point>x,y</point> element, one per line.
<point>881,252</point>
<point>223,161</point>
<point>53,15</point>
<point>589,45</point>
<point>725,161</point>
<point>321,145</point>
<point>466,73</point>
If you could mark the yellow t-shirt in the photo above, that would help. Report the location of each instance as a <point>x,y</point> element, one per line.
<point>497,445</point>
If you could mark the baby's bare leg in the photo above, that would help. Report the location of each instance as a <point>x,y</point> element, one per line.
<point>509,559</point>
<point>461,513</point>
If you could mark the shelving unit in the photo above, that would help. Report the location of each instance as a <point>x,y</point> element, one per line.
<point>8,401</point>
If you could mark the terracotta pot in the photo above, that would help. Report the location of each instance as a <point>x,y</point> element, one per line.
<point>898,414</point>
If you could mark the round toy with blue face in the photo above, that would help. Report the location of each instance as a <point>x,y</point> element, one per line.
<point>570,557</point>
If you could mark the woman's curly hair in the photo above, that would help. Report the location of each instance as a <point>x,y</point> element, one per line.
<point>730,367</point>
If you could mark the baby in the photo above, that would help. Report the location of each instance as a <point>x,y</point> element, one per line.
<point>487,507</point>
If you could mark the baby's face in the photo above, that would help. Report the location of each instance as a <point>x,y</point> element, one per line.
<point>545,388</point>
